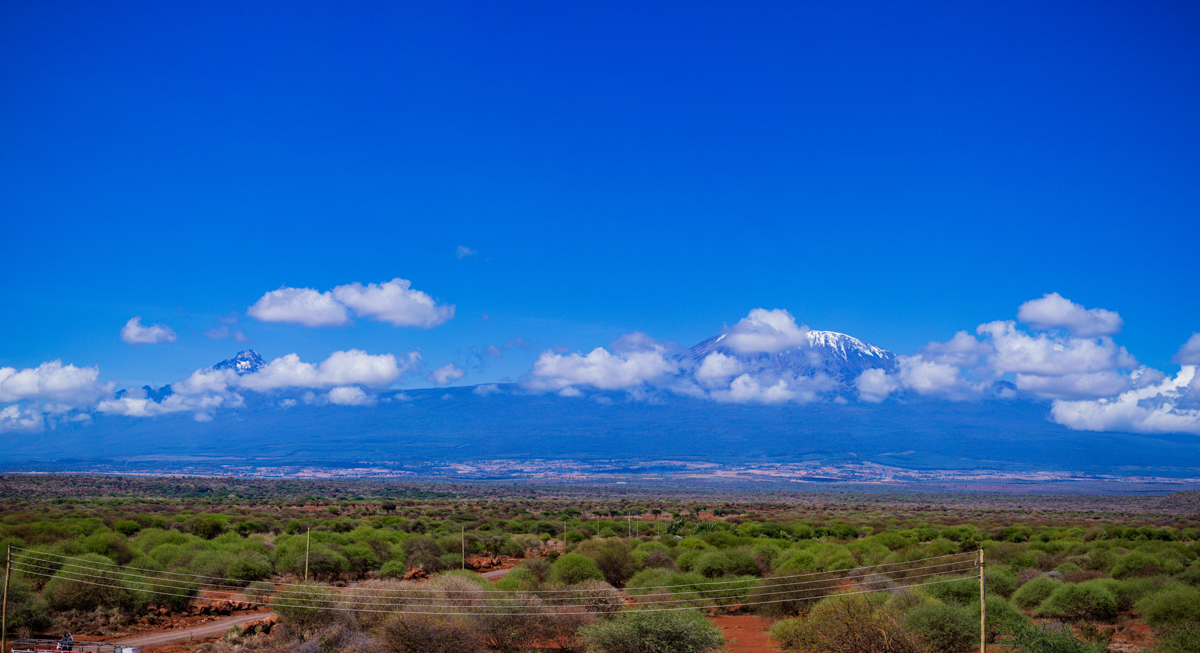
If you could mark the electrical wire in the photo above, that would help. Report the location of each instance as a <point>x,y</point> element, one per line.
<point>390,593</point>
<point>453,602</point>
<point>91,565</point>
<point>525,614</point>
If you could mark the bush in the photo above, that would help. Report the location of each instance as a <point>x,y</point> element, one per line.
<point>1049,638</point>
<point>72,587</point>
<point>684,631</point>
<point>1080,601</point>
<point>714,564</point>
<point>1173,607</point>
<point>1140,563</point>
<point>847,623</point>
<point>305,605</point>
<point>1184,638</point>
<point>946,628</point>
<point>962,591</point>
<point>424,633</point>
<point>574,568</point>
<point>1000,580</point>
<point>25,608</point>
<point>127,527</point>
<point>791,596</point>
<point>247,567</point>
<point>1032,593</point>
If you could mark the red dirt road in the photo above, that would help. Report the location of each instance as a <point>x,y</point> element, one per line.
<point>746,633</point>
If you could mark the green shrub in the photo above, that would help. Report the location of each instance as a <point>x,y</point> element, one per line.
<point>247,567</point>
<point>90,582</point>
<point>714,564</point>
<point>1142,563</point>
<point>1089,600</point>
<point>1184,638</point>
<point>25,608</point>
<point>946,628</point>
<point>1173,607</point>
<point>573,568</point>
<point>1033,592</point>
<point>393,569</point>
<point>683,631</point>
<point>1000,580</point>
<point>1191,575</point>
<point>962,591</point>
<point>1049,638</point>
<point>848,623</point>
<point>127,527</point>
<point>305,606</point>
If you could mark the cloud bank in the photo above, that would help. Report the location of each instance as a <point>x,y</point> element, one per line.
<point>394,302</point>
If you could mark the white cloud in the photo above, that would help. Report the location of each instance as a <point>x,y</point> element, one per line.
<point>135,334</point>
<point>935,379</point>
<point>52,381</point>
<point>136,404</point>
<point>395,302</point>
<point>1189,353</point>
<point>1165,407</point>
<point>463,252</point>
<point>300,306</point>
<point>764,331</point>
<point>717,367</point>
<point>487,389</point>
<point>446,374</point>
<point>353,367</point>
<point>1074,386</point>
<point>224,332</point>
<point>14,418</point>
<point>1053,311</point>
<point>350,396</point>
<point>642,361</point>
<point>207,389</point>
<point>875,385</point>
<point>963,350</point>
<point>746,389</point>
<point>1020,352</point>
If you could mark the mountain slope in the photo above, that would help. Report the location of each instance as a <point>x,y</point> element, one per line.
<point>836,355</point>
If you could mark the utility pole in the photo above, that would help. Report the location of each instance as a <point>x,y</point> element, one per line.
<point>4,609</point>
<point>307,548</point>
<point>464,545</point>
<point>982,608</point>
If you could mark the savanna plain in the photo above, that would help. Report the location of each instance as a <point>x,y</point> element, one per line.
<point>222,565</point>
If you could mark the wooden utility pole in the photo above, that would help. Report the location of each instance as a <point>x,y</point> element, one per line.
<point>982,608</point>
<point>4,609</point>
<point>464,545</point>
<point>307,548</point>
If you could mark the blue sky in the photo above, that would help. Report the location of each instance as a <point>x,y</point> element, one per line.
<point>895,171</point>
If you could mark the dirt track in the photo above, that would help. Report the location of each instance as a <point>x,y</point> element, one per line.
<point>197,632</point>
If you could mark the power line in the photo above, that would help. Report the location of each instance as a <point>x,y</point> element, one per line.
<point>389,593</point>
<point>91,565</point>
<point>453,601</point>
<point>477,612</point>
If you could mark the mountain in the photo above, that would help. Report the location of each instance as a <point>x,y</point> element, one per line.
<point>837,355</point>
<point>446,425</point>
<point>246,362</point>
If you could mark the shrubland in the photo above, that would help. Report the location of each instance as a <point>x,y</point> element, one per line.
<point>599,574</point>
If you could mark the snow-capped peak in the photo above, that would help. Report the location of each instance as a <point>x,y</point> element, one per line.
<point>844,344</point>
<point>246,362</point>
